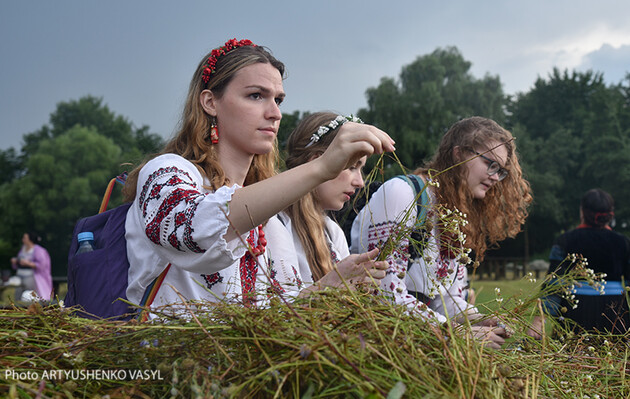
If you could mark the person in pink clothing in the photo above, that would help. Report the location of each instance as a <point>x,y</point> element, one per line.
<point>32,265</point>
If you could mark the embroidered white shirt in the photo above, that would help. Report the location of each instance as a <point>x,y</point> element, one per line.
<point>175,220</point>
<point>431,274</point>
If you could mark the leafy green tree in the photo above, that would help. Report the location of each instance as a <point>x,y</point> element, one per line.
<point>10,165</point>
<point>431,94</point>
<point>89,111</point>
<point>63,172</point>
<point>65,181</point>
<point>573,133</point>
<point>287,124</point>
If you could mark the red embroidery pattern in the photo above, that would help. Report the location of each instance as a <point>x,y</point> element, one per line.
<point>174,198</point>
<point>185,219</point>
<point>248,269</point>
<point>378,235</point>
<point>143,200</point>
<point>212,279</point>
<point>186,191</point>
<point>298,280</point>
<point>443,269</point>
<point>275,287</point>
<point>333,254</point>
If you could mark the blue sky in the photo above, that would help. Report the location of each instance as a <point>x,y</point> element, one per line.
<point>138,55</point>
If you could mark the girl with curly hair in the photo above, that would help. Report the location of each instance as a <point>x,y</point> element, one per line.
<point>476,196</point>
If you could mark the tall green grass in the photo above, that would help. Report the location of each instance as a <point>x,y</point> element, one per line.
<point>333,344</point>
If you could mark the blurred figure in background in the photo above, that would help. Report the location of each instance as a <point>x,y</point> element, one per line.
<point>606,252</point>
<point>32,265</point>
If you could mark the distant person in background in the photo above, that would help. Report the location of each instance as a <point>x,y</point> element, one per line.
<point>606,252</point>
<point>32,265</point>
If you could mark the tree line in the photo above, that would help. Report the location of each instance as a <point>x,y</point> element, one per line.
<point>572,132</point>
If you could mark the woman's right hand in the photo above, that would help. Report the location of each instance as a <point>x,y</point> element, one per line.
<point>492,337</point>
<point>352,142</point>
<point>355,270</point>
<point>537,328</point>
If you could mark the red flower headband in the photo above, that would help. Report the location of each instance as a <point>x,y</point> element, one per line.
<point>218,52</point>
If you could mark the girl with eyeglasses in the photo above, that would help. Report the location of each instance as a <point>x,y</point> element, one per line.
<point>475,171</point>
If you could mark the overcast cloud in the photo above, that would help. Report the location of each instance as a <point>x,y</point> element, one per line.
<point>138,55</point>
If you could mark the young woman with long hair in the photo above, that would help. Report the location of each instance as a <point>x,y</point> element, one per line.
<point>477,196</point>
<point>311,244</point>
<point>200,206</point>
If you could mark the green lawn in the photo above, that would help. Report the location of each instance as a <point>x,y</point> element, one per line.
<point>485,289</point>
<point>7,294</point>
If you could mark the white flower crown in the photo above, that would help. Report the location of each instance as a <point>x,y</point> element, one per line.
<point>334,124</point>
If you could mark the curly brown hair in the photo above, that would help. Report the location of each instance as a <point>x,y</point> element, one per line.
<point>191,141</point>
<point>504,209</point>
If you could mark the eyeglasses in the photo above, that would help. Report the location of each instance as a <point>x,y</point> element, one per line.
<point>494,168</point>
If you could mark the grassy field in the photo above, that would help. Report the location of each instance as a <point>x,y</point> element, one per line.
<point>485,290</point>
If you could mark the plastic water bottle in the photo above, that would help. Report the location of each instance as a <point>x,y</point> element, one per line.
<point>86,242</point>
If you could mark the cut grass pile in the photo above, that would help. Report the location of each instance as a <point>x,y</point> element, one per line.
<point>334,344</point>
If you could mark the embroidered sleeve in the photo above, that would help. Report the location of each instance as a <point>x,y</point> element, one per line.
<point>381,218</point>
<point>452,302</point>
<point>186,222</point>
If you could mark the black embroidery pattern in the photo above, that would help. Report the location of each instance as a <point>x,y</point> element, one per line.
<point>188,193</point>
<point>298,280</point>
<point>212,279</point>
<point>157,188</point>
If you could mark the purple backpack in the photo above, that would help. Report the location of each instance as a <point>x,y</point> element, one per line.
<point>97,279</point>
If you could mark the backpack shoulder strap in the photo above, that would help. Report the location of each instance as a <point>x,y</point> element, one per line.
<point>422,203</point>
<point>283,218</point>
<point>150,293</point>
<point>417,185</point>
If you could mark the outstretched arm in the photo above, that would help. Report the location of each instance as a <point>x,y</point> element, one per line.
<point>253,204</point>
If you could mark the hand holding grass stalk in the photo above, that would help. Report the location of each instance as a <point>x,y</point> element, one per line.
<point>353,271</point>
<point>492,337</point>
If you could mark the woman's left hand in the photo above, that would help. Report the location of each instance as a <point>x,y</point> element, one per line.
<point>356,269</point>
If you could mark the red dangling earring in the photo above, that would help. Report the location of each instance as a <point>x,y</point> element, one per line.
<point>214,132</point>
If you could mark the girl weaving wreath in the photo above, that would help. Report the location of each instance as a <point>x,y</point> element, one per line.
<point>481,178</point>
<point>310,243</point>
<point>199,207</point>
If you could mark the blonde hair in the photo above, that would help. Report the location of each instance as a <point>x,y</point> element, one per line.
<point>307,217</point>
<point>503,211</point>
<point>191,141</point>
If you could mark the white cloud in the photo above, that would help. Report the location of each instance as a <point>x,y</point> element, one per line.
<point>569,51</point>
<point>613,61</point>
